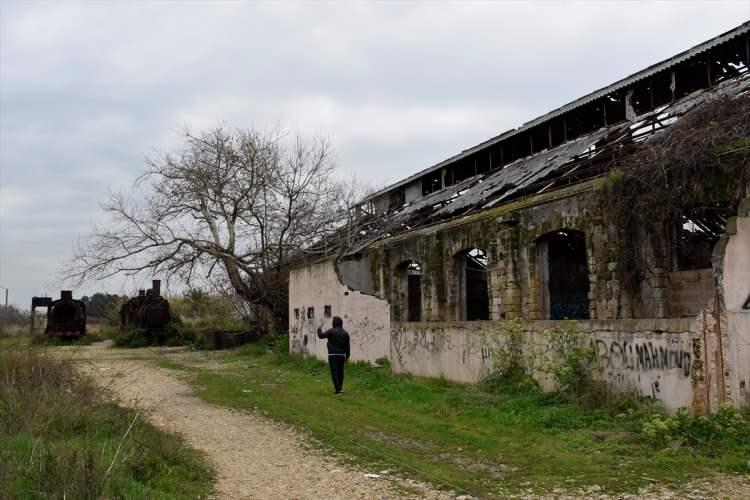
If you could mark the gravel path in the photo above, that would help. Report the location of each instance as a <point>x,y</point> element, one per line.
<point>254,457</point>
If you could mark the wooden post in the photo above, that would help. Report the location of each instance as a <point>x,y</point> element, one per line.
<point>549,135</point>
<point>651,93</point>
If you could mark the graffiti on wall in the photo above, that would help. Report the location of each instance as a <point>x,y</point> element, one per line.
<point>406,343</point>
<point>613,355</point>
<point>363,333</point>
<point>660,367</point>
<point>301,332</point>
<point>642,356</point>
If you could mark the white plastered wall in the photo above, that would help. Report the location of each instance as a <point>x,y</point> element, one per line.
<point>366,318</point>
<point>736,292</point>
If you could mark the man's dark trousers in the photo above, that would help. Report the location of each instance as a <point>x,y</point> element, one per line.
<point>336,362</point>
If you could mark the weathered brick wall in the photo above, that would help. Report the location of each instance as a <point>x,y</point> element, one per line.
<point>690,291</point>
<point>510,241</point>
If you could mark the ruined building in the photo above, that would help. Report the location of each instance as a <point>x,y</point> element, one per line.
<point>514,229</point>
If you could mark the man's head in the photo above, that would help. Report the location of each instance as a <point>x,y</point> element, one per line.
<point>337,322</point>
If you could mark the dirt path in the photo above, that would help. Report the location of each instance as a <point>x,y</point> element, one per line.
<point>254,456</point>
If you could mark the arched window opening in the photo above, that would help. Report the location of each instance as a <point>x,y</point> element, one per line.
<point>693,238</point>
<point>473,299</point>
<point>564,275</point>
<point>696,236</point>
<point>408,292</point>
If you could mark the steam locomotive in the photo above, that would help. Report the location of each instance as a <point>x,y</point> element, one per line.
<point>148,310</point>
<point>66,317</point>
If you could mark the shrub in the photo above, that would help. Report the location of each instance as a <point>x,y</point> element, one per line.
<point>511,380</point>
<point>203,312</point>
<point>174,334</point>
<point>510,374</point>
<point>685,428</point>
<point>578,379</point>
<point>566,356</point>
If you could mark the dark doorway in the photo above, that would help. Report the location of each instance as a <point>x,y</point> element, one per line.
<point>474,303</point>
<point>566,294</point>
<point>407,292</point>
<point>415,297</point>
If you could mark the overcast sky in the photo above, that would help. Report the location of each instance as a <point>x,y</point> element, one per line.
<point>88,89</point>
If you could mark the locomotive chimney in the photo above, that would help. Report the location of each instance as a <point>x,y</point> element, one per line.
<point>141,293</point>
<point>66,295</point>
<point>156,287</point>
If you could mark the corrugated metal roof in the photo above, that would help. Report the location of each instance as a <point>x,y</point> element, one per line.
<point>503,185</point>
<point>620,84</point>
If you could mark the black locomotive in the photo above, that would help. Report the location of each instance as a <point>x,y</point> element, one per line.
<point>66,317</point>
<point>148,310</point>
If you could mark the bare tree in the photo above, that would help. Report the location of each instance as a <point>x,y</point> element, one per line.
<point>236,202</point>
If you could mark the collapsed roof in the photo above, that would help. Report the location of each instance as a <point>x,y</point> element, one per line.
<point>571,144</point>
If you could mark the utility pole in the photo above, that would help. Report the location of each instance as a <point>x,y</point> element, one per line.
<point>6,298</point>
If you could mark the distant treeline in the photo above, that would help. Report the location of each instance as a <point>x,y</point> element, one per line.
<point>12,315</point>
<point>103,305</point>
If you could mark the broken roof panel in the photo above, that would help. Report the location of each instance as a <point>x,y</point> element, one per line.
<point>648,72</point>
<point>550,166</point>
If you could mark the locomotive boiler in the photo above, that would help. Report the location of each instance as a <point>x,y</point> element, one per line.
<point>66,317</point>
<point>148,310</point>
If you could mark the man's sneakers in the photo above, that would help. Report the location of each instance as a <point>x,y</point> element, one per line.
<point>340,393</point>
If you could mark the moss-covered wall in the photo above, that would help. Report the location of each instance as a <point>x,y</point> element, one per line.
<point>510,240</point>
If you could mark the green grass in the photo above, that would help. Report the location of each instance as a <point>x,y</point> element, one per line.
<point>59,438</point>
<point>457,435</point>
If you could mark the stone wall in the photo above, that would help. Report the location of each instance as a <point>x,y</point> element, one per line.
<point>690,291</point>
<point>511,239</point>
<point>659,358</point>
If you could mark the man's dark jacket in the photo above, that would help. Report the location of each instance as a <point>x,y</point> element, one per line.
<point>338,341</point>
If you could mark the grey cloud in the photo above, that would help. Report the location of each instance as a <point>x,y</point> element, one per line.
<point>88,89</point>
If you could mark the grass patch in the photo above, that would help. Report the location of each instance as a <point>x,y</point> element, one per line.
<point>58,439</point>
<point>44,340</point>
<point>19,336</point>
<point>490,442</point>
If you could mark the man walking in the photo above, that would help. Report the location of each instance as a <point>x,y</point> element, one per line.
<point>338,351</point>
